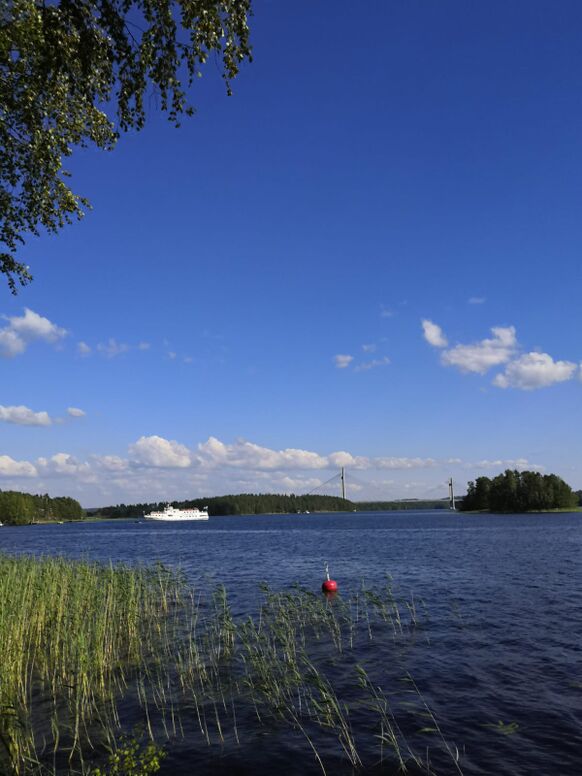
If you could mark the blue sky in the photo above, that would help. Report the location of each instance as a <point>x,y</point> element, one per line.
<point>368,256</point>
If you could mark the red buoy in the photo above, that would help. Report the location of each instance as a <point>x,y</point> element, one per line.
<point>329,585</point>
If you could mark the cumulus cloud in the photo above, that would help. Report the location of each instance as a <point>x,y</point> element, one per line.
<point>11,468</point>
<point>112,348</point>
<point>288,484</point>
<point>433,334</point>
<point>477,300</point>
<point>32,326</point>
<point>525,372</point>
<point>83,349</point>
<point>75,412</point>
<point>481,356</point>
<point>243,454</point>
<point>144,346</point>
<point>10,343</point>
<point>534,370</point>
<point>341,458</point>
<point>371,348</point>
<point>157,469</point>
<point>23,416</point>
<point>156,451</point>
<point>24,329</point>
<point>342,361</point>
<point>246,455</point>
<point>110,463</point>
<point>64,464</point>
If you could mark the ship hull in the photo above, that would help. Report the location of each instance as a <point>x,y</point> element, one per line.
<point>176,519</point>
<point>176,515</point>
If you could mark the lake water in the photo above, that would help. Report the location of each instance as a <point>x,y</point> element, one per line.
<point>502,640</point>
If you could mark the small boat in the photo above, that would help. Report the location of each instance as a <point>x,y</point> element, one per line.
<point>178,515</point>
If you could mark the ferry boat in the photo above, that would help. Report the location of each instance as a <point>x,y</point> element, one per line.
<point>178,515</point>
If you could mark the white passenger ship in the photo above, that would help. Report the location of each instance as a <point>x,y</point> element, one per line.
<point>179,515</point>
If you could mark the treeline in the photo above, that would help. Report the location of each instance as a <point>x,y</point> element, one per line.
<point>515,491</point>
<point>388,506</point>
<point>24,508</point>
<point>240,504</point>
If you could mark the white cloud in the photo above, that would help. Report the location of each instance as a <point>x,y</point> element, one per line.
<point>521,464</point>
<point>363,463</point>
<point>341,458</point>
<point>476,300</point>
<point>403,463</point>
<point>11,468</point>
<point>75,412</point>
<point>433,334</point>
<point>24,329</point>
<point>288,484</point>
<point>246,455</point>
<point>23,416</point>
<point>386,312</point>
<point>160,469</point>
<point>159,452</point>
<point>112,348</point>
<point>369,348</point>
<point>372,364</point>
<point>111,463</point>
<point>172,355</point>
<point>481,356</point>
<point>83,349</point>
<point>65,464</point>
<point>534,370</point>
<point>144,346</point>
<point>342,361</point>
<point>10,343</point>
<point>32,326</point>
<point>243,454</point>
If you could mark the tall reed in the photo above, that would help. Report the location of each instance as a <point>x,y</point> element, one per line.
<point>88,649</point>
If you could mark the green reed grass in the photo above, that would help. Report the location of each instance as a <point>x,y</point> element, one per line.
<point>85,645</point>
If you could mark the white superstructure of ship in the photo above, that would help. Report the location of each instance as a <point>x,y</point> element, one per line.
<point>178,515</point>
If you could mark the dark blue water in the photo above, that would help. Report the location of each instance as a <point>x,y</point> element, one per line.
<point>503,596</point>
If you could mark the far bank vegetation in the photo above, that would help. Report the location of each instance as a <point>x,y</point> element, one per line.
<point>515,491</point>
<point>268,504</point>
<point>24,508</point>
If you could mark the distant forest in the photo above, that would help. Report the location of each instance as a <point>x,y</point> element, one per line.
<point>23,508</point>
<point>388,506</point>
<point>515,491</point>
<point>268,503</point>
<point>241,504</point>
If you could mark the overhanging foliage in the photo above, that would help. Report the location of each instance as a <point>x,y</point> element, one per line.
<point>75,73</point>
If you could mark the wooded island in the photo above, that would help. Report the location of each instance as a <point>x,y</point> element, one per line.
<point>24,508</point>
<point>515,491</point>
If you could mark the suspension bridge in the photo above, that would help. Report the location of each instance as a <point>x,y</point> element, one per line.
<point>338,485</point>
